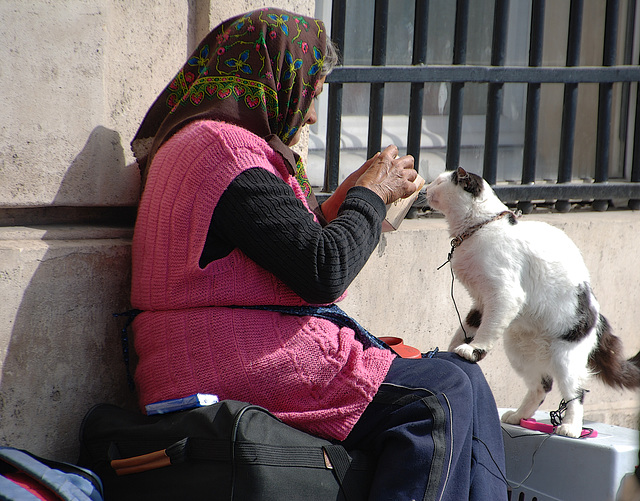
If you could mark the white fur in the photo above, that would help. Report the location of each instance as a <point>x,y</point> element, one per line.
<point>523,279</point>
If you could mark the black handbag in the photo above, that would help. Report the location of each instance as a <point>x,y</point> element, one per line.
<point>228,451</point>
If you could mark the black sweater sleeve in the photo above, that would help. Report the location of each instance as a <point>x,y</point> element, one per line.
<point>259,214</point>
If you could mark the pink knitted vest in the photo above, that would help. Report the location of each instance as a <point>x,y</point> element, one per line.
<point>307,371</point>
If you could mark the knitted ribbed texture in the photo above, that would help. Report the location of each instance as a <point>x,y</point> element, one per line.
<point>307,371</point>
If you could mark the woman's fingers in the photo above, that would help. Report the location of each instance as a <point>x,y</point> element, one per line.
<point>390,177</point>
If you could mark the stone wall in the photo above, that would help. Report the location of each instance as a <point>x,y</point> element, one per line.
<point>78,76</point>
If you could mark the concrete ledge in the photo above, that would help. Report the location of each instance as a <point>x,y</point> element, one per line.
<point>59,343</point>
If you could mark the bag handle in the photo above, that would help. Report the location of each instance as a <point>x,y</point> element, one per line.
<point>202,449</point>
<point>173,454</point>
<point>145,462</point>
<point>340,462</point>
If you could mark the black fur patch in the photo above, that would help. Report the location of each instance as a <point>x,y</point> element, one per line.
<point>547,383</point>
<point>471,183</point>
<point>604,328</point>
<point>479,354</point>
<point>585,316</point>
<point>580,395</point>
<point>513,220</point>
<point>474,318</point>
<point>608,362</point>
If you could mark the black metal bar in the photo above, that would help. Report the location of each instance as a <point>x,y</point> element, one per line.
<point>495,92</point>
<point>634,202</point>
<point>334,112</point>
<point>603,140</point>
<point>485,74</point>
<point>536,38</point>
<point>608,59</point>
<point>334,127</point>
<point>635,166</point>
<point>376,100</point>
<point>533,93</point>
<point>416,97</point>
<point>567,191</point>
<point>567,132</point>
<point>625,100</point>
<point>454,133</point>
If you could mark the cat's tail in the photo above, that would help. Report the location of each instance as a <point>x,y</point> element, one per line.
<point>608,363</point>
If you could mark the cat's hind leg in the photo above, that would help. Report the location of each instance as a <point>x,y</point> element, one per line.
<point>538,390</point>
<point>570,359</point>
<point>572,422</point>
<point>570,378</point>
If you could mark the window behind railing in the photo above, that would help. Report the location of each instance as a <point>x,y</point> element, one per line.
<point>540,98</point>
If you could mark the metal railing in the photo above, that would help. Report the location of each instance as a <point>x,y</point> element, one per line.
<point>458,73</point>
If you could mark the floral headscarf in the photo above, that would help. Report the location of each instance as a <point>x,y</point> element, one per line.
<point>258,70</point>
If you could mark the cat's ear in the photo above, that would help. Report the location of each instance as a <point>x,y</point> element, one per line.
<point>462,174</point>
<point>469,182</point>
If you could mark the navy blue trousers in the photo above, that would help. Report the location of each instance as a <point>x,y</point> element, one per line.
<point>435,430</point>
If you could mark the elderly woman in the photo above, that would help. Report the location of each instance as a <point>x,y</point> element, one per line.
<point>237,269</point>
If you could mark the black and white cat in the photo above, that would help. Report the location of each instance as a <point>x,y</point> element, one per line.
<point>529,284</point>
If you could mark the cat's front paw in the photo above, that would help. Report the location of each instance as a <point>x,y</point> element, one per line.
<point>470,352</point>
<point>569,430</point>
<point>510,417</point>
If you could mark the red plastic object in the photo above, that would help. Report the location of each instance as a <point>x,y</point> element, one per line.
<point>391,341</point>
<point>403,350</point>
<point>32,486</point>
<point>532,424</point>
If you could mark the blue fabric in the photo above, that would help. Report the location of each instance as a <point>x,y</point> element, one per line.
<point>435,428</point>
<point>10,491</point>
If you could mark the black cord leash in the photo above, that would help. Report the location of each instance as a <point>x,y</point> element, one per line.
<point>557,416</point>
<point>533,459</point>
<point>467,339</point>
<point>124,339</point>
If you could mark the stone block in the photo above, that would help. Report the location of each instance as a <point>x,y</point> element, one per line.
<point>80,76</point>
<point>60,350</point>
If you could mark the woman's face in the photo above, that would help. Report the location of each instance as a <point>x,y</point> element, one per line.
<point>311,117</point>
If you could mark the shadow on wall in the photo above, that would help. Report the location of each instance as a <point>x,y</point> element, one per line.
<point>64,353</point>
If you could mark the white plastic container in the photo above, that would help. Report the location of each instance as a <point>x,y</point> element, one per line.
<point>543,467</point>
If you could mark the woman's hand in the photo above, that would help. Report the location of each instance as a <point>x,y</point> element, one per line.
<point>389,177</point>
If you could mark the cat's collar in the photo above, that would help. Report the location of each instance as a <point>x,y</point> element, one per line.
<point>458,239</point>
